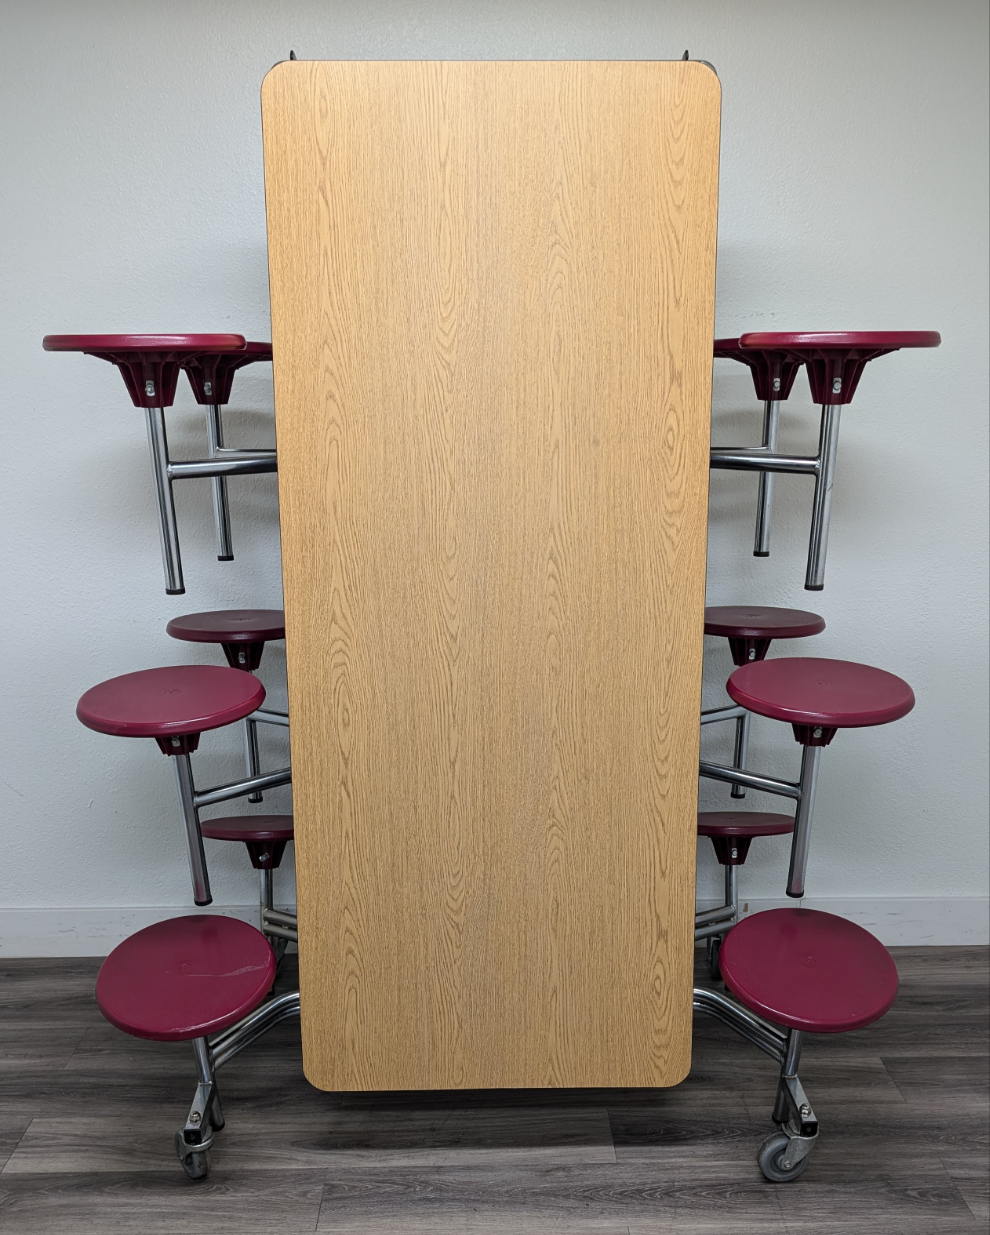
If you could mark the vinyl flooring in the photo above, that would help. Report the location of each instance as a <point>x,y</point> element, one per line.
<point>87,1117</point>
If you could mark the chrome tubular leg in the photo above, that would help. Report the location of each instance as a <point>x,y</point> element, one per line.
<point>252,758</point>
<point>716,928</point>
<point>801,839</point>
<point>788,1071</point>
<point>279,941</point>
<point>267,893</point>
<point>207,1076</point>
<point>764,507</point>
<point>792,1110</point>
<point>741,751</point>
<point>167,526</point>
<point>201,1050</point>
<point>194,838</point>
<point>792,1058</point>
<point>732,890</point>
<point>821,510</point>
<point>221,511</point>
<point>192,1143</point>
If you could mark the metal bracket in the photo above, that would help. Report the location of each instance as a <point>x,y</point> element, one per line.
<point>798,1147</point>
<point>801,1124</point>
<point>197,1135</point>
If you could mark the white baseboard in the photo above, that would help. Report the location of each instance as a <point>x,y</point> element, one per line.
<point>897,921</point>
<point>894,920</point>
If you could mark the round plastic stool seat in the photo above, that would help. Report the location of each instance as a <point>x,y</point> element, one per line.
<point>173,344</point>
<point>744,823</point>
<point>242,633</point>
<point>150,363</point>
<point>808,970</point>
<point>265,836</point>
<point>837,340</point>
<point>185,978</point>
<point>761,622</point>
<point>183,699</point>
<point>751,629</point>
<point>249,828</point>
<point>733,831</point>
<point>835,359</point>
<point>229,626</point>
<point>833,694</point>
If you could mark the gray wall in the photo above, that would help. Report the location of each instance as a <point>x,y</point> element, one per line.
<point>854,194</point>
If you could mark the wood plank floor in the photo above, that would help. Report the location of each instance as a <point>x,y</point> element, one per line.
<point>87,1117</point>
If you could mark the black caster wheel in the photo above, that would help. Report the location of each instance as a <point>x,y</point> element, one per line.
<point>196,1165</point>
<point>714,945</point>
<point>771,1156</point>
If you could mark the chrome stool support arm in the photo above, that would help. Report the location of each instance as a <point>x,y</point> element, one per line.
<point>194,1140</point>
<point>792,1111</point>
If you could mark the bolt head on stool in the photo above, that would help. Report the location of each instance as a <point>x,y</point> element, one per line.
<point>173,705</point>
<point>242,633</point>
<point>750,629</point>
<point>819,696</point>
<point>185,978</point>
<point>808,970</point>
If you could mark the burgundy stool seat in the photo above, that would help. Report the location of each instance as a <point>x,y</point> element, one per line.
<point>835,359</point>
<point>264,835</point>
<point>172,344</point>
<point>808,970</point>
<point>732,831</point>
<point>162,703</point>
<point>827,694</point>
<point>150,363</point>
<point>761,622</point>
<point>249,828</point>
<point>241,632</point>
<point>185,978</point>
<point>751,629</point>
